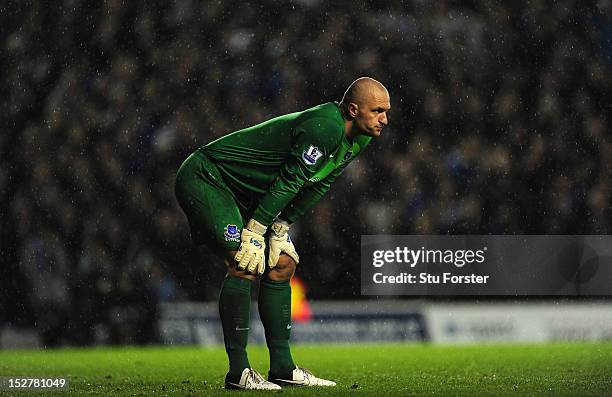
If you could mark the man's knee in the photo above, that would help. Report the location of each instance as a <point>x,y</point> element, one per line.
<point>284,269</point>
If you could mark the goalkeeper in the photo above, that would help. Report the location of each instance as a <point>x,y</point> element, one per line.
<point>242,192</point>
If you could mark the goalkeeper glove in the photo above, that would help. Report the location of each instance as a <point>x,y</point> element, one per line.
<point>281,242</point>
<point>250,255</point>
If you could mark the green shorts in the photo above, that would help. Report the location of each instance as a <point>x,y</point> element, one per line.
<point>213,214</point>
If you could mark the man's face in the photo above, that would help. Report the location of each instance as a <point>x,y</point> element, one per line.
<point>371,115</point>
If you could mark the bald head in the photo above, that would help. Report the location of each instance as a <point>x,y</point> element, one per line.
<point>363,90</point>
<point>364,107</point>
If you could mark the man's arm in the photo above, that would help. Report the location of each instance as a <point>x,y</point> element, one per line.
<point>308,197</point>
<point>316,139</point>
<point>311,195</point>
<point>280,241</point>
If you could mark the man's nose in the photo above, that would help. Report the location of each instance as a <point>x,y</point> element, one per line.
<point>383,119</point>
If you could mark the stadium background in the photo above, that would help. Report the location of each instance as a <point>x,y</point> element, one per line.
<point>500,124</point>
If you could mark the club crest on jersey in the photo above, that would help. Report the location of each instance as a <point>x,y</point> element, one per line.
<point>312,155</point>
<point>231,233</point>
<point>348,155</point>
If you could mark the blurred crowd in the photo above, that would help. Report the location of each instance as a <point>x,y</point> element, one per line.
<point>499,125</point>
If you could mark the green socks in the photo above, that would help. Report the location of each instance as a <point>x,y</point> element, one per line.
<point>235,312</point>
<point>275,312</point>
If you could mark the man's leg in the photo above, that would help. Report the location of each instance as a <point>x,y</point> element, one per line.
<point>215,220</point>
<point>275,312</point>
<point>235,311</point>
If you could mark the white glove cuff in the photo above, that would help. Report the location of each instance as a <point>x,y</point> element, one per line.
<point>256,227</point>
<point>280,227</point>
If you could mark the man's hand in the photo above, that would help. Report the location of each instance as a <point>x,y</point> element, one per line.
<point>281,242</point>
<point>250,255</point>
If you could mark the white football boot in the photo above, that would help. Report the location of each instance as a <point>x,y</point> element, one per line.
<point>303,377</point>
<point>252,380</point>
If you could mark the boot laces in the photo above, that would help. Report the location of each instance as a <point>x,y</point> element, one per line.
<point>255,377</point>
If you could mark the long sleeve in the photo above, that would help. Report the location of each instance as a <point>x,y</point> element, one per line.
<point>309,197</point>
<point>315,140</point>
<point>312,194</point>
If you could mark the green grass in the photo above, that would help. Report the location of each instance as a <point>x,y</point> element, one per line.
<point>569,369</point>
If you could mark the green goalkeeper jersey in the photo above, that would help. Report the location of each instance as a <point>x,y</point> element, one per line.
<point>284,166</point>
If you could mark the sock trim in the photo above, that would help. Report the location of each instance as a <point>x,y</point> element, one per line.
<point>273,284</point>
<point>234,282</point>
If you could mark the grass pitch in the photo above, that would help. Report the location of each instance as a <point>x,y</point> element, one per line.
<point>569,369</point>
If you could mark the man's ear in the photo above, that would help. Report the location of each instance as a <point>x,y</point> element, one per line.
<point>353,109</point>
